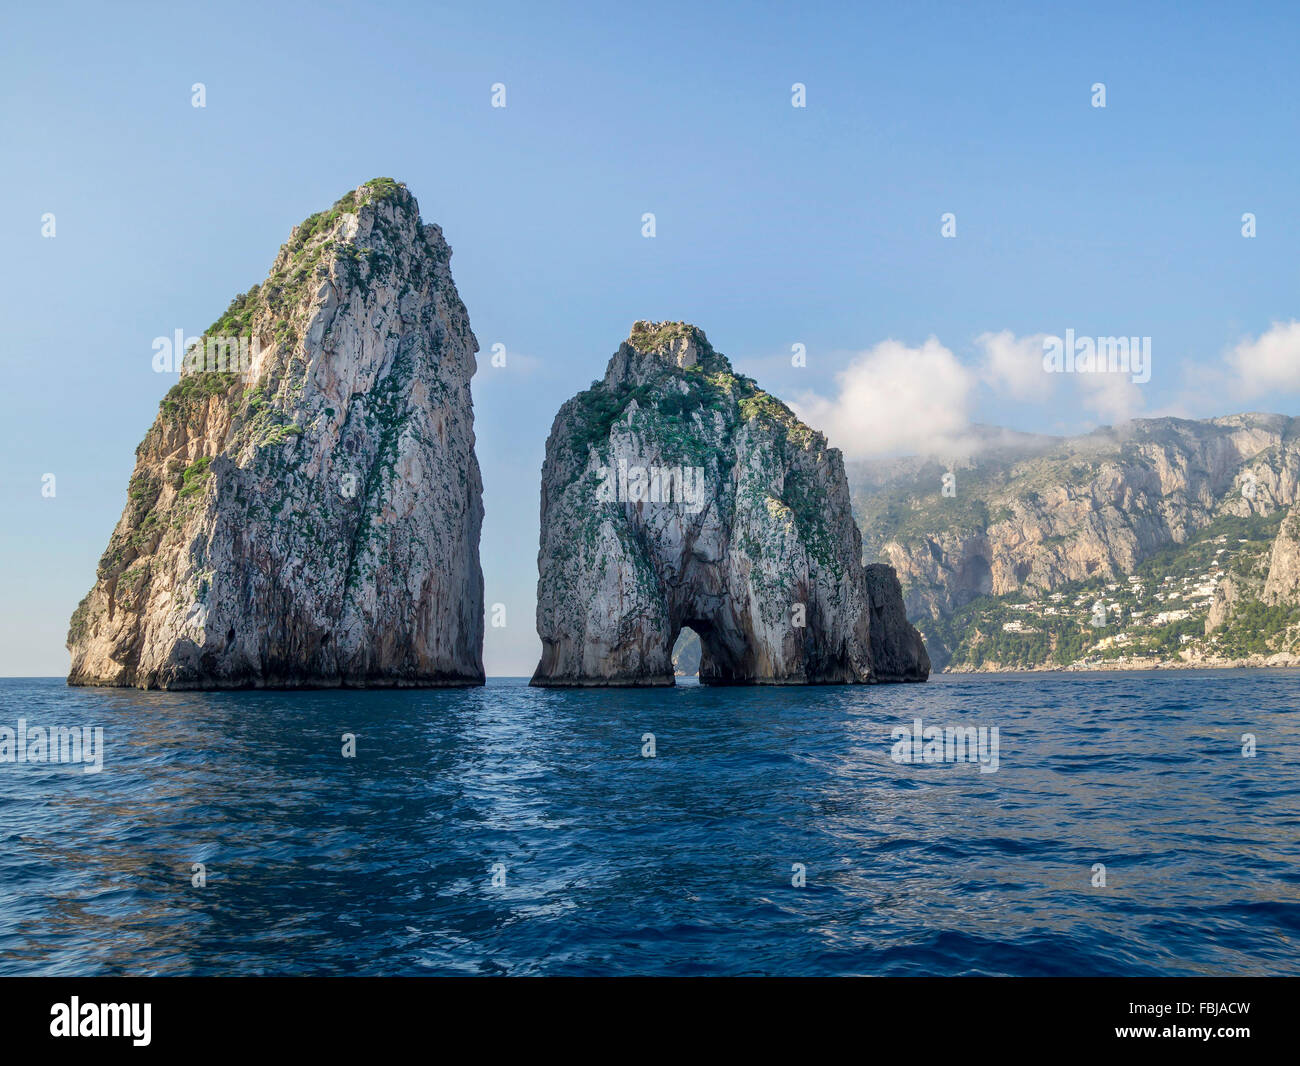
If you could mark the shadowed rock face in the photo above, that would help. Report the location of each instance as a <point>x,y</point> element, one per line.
<point>675,493</point>
<point>897,650</point>
<point>315,521</point>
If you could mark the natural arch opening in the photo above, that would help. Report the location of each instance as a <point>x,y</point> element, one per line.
<point>687,651</point>
<point>723,658</point>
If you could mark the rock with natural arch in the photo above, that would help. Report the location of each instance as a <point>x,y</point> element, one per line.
<point>676,492</point>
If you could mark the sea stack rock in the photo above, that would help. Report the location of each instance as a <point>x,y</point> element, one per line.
<point>305,509</point>
<point>675,492</point>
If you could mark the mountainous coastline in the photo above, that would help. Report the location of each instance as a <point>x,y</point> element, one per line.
<point>678,494</point>
<point>305,509</point>
<point>1165,542</point>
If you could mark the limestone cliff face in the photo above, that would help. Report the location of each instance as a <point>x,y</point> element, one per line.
<point>310,516</point>
<point>1047,511</point>
<point>1172,524</point>
<point>1282,586</point>
<point>675,493</point>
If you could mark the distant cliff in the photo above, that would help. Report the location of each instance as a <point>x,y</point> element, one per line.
<point>1166,523</point>
<point>676,493</point>
<point>305,510</point>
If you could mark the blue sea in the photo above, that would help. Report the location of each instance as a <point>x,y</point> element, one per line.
<point>509,830</point>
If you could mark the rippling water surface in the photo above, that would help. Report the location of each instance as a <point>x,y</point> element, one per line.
<point>678,864</point>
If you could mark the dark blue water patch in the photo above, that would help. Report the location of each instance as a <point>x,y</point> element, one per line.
<point>679,864</point>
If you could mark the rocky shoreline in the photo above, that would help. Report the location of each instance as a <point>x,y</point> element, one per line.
<point>1280,660</point>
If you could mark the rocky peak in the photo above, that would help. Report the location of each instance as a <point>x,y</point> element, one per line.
<point>652,348</point>
<point>678,343</point>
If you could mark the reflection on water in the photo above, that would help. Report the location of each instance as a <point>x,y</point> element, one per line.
<point>614,863</point>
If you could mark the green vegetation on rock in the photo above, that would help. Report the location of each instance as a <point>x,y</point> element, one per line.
<point>195,478</point>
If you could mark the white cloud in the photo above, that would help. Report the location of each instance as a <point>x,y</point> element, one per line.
<point>1015,365</point>
<point>1269,363</point>
<point>1113,398</point>
<point>895,399</point>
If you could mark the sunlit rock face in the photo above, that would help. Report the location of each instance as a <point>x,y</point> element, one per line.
<point>1035,514</point>
<point>675,493</point>
<point>306,512</point>
<point>1282,585</point>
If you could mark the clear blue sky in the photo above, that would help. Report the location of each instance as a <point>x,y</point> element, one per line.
<point>776,225</point>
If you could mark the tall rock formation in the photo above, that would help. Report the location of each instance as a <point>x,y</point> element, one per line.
<point>675,493</point>
<point>897,650</point>
<point>305,510</point>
